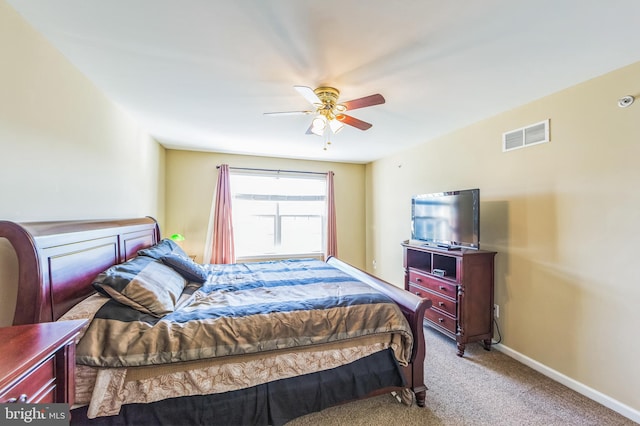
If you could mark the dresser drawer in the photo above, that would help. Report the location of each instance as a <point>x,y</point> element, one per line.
<point>444,304</point>
<point>38,385</point>
<point>441,319</point>
<point>439,302</point>
<point>433,284</point>
<point>419,291</point>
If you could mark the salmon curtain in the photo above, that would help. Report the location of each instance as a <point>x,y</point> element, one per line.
<point>222,250</point>
<point>332,242</point>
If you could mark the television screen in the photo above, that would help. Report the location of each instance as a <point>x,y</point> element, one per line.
<point>446,219</point>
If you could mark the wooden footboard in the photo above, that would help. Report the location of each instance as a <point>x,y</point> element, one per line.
<point>413,308</point>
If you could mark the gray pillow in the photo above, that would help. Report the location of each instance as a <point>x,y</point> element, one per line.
<point>163,248</point>
<point>144,284</point>
<point>186,267</point>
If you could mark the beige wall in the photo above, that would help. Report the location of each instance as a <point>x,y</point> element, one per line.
<point>563,217</point>
<point>67,151</point>
<point>191,179</point>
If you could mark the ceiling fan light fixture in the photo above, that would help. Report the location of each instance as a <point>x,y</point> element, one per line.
<point>336,125</point>
<point>318,125</point>
<point>329,113</point>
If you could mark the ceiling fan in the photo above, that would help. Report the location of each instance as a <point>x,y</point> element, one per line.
<point>328,112</point>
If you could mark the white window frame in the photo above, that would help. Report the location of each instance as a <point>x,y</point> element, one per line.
<point>278,218</point>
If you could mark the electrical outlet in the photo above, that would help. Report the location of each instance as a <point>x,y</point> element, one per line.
<point>496,311</point>
<point>375,264</point>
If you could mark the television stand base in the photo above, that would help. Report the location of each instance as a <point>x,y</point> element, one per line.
<point>460,284</point>
<point>443,247</point>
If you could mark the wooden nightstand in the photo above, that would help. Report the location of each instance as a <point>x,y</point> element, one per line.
<point>38,362</point>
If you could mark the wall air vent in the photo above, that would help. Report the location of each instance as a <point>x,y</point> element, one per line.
<point>526,136</point>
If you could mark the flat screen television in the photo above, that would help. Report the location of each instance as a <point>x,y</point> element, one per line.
<point>449,220</point>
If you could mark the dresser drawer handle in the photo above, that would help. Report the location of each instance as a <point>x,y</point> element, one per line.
<point>418,294</point>
<point>440,319</point>
<point>442,287</point>
<point>440,303</point>
<point>21,399</point>
<point>419,280</point>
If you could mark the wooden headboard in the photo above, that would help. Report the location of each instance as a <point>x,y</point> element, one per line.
<point>58,261</point>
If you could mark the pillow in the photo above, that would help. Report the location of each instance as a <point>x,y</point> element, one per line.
<point>186,267</point>
<point>143,284</point>
<point>164,247</point>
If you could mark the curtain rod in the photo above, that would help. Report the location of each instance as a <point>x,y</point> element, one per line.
<point>274,170</point>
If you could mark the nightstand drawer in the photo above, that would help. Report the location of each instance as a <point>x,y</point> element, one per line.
<point>441,319</point>
<point>38,362</point>
<point>37,386</point>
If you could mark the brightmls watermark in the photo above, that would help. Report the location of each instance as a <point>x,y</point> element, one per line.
<point>34,414</point>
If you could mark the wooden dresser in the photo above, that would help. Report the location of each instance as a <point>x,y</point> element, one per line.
<point>38,362</point>
<point>460,286</point>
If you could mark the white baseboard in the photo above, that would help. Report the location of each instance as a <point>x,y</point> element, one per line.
<point>585,390</point>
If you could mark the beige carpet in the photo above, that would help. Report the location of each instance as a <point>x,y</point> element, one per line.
<point>483,388</point>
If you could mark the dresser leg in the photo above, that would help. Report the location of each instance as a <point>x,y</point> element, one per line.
<point>461,347</point>
<point>487,344</point>
<point>421,398</point>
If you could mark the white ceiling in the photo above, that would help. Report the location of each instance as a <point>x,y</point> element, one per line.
<point>199,74</point>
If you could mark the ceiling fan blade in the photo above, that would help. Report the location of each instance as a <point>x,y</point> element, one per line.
<point>352,121</point>
<point>289,113</point>
<point>308,94</point>
<point>370,100</point>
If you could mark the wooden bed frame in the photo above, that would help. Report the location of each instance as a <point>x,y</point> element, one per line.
<point>58,261</point>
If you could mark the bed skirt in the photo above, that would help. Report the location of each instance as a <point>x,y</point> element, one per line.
<point>273,403</point>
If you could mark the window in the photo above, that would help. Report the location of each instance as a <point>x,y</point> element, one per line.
<point>278,214</point>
